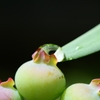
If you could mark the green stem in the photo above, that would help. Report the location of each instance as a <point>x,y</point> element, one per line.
<point>85,44</point>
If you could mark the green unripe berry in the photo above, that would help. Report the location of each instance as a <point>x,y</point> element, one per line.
<point>82,91</point>
<point>8,92</point>
<point>40,78</point>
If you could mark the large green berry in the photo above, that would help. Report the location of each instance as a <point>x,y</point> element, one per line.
<point>82,91</point>
<point>40,78</point>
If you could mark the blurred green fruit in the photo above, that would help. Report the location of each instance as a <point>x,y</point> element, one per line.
<point>8,92</point>
<point>82,91</point>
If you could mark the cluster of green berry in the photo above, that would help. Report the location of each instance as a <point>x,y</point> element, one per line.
<point>41,79</point>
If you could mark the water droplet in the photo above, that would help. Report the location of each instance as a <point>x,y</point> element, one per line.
<point>77,48</point>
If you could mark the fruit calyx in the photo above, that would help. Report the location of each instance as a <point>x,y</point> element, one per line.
<point>96,84</point>
<point>9,83</point>
<point>40,56</point>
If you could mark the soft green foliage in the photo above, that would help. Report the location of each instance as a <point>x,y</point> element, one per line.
<point>85,44</point>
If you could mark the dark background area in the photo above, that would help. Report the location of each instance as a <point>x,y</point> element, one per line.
<point>26,25</point>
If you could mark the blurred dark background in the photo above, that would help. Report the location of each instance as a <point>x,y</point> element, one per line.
<point>26,25</point>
